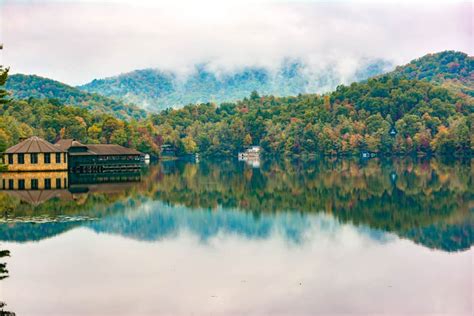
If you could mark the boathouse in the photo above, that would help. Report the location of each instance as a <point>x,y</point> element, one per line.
<point>35,154</point>
<point>250,153</point>
<point>100,158</point>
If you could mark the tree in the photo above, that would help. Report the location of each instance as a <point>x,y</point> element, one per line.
<point>4,140</point>
<point>254,95</point>
<point>443,142</point>
<point>189,144</point>
<point>3,79</point>
<point>94,133</point>
<point>248,140</point>
<point>26,131</point>
<point>327,102</point>
<point>108,128</point>
<point>119,137</point>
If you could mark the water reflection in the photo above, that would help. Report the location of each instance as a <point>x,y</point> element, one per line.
<point>3,275</point>
<point>337,268</point>
<point>330,237</point>
<point>429,202</point>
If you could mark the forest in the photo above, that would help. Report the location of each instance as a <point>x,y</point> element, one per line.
<point>386,115</point>
<point>157,90</point>
<point>451,69</point>
<point>23,87</point>
<point>355,118</point>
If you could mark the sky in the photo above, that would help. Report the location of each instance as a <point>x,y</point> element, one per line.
<point>78,41</point>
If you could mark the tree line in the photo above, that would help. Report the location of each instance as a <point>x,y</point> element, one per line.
<point>386,115</point>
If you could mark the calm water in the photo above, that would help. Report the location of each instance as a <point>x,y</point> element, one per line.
<point>226,238</point>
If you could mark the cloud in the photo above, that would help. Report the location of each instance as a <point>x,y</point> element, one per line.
<point>76,42</point>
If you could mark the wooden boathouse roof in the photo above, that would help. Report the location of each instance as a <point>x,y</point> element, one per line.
<point>65,144</point>
<point>111,149</point>
<point>34,145</point>
<point>95,149</point>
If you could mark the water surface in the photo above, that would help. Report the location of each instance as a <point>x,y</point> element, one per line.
<point>225,238</point>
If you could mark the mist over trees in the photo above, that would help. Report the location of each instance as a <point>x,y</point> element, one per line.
<point>388,115</point>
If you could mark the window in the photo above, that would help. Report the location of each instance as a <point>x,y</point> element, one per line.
<point>21,184</point>
<point>47,158</point>
<point>10,184</point>
<point>58,157</point>
<point>65,182</point>
<point>3,184</point>
<point>10,159</point>
<point>34,184</point>
<point>47,183</point>
<point>58,183</point>
<point>65,157</point>
<point>34,158</point>
<point>21,158</point>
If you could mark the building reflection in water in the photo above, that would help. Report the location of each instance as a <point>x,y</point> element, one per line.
<point>44,180</point>
<point>38,187</point>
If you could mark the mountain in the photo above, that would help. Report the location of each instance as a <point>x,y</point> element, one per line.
<point>32,86</point>
<point>154,89</point>
<point>452,70</point>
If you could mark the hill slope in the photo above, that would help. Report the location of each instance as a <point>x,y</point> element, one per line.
<point>156,90</point>
<point>27,86</point>
<point>427,118</point>
<point>453,70</point>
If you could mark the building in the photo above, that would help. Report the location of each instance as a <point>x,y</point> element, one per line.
<point>100,158</point>
<point>368,154</point>
<point>35,154</point>
<point>393,131</point>
<point>251,153</point>
<point>167,151</point>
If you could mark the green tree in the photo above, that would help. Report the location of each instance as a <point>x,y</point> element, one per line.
<point>109,126</point>
<point>3,79</point>
<point>190,145</point>
<point>119,137</point>
<point>248,140</point>
<point>4,140</point>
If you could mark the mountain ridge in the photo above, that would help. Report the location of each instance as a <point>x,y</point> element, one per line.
<point>359,117</point>
<point>156,90</point>
<point>23,86</point>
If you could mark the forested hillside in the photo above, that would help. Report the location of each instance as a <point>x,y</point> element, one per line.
<point>427,119</point>
<point>52,120</point>
<point>31,86</point>
<point>452,70</point>
<point>157,90</point>
<point>424,117</point>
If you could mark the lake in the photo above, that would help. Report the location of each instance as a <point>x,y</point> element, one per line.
<point>332,237</point>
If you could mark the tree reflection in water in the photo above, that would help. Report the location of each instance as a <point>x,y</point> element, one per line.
<point>4,275</point>
<point>426,201</point>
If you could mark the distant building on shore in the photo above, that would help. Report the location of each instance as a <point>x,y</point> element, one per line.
<point>36,154</point>
<point>167,151</point>
<point>250,153</point>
